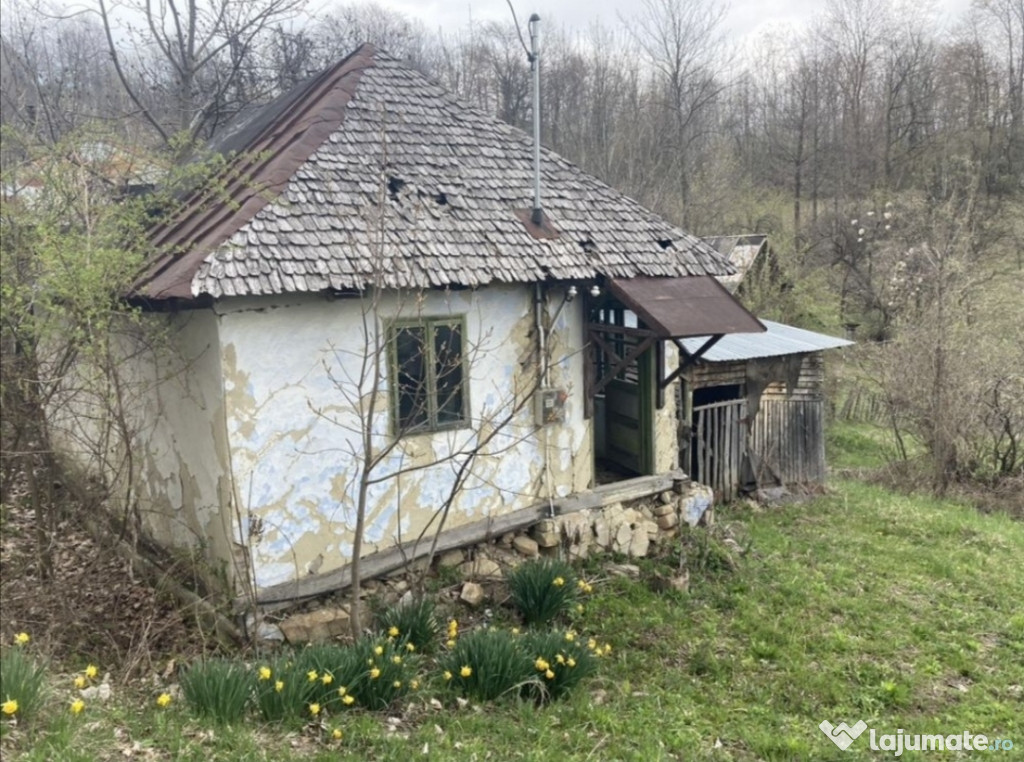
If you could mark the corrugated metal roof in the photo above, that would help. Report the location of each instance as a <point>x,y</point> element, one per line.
<point>781,339</point>
<point>676,307</point>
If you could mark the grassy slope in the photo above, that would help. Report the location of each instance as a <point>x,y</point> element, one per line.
<point>901,611</point>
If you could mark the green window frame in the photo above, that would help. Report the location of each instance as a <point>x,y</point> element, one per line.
<point>429,381</point>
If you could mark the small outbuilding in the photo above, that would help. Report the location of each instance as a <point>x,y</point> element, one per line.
<point>752,407</point>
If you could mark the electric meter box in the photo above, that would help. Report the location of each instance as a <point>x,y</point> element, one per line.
<point>551,406</point>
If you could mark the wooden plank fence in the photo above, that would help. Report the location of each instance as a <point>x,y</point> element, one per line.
<point>786,445</point>
<point>788,441</point>
<point>719,443</point>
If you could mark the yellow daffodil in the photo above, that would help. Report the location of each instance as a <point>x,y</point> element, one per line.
<point>314,709</point>
<point>515,630</point>
<point>558,581</point>
<point>579,608</point>
<point>397,684</point>
<point>348,700</point>
<point>396,659</point>
<point>450,644</point>
<point>560,659</point>
<point>336,734</point>
<point>265,673</point>
<point>549,675</point>
<point>607,648</point>
<point>279,686</point>
<point>447,676</point>
<point>393,631</point>
<point>80,681</point>
<point>163,700</point>
<point>379,650</point>
<point>592,644</point>
<point>570,636</point>
<point>77,706</point>
<point>10,706</point>
<point>312,675</point>
<point>342,690</point>
<point>466,671</point>
<point>91,671</point>
<point>415,684</point>
<point>541,664</point>
<point>327,679</point>
<point>410,647</point>
<point>21,639</point>
<point>571,662</point>
<point>374,673</point>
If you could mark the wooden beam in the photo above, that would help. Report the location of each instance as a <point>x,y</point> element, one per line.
<point>688,359</point>
<point>377,564</point>
<point>622,363</point>
<point>620,329</point>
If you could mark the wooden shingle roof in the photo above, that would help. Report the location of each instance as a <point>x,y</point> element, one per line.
<point>371,173</point>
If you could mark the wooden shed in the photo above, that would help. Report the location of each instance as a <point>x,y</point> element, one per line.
<point>752,410</point>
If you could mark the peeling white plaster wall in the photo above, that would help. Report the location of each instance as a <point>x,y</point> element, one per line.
<point>173,401</point>
<point>291,367</point>
<point>186,482</point>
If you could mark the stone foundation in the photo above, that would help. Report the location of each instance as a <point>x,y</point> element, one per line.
<point>631,528</point>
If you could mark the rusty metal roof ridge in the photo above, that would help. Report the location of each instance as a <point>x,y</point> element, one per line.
<point>253,177</point>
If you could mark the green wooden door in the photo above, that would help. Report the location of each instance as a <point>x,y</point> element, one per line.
<point>629,417</point>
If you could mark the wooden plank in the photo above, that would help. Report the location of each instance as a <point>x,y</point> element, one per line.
<point>727,422</point>
<point>377,564</point>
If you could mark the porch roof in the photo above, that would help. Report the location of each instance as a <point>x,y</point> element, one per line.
<point>676,308</point>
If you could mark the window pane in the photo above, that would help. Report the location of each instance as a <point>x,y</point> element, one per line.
<point>448,373</point>
<point>411,362</point>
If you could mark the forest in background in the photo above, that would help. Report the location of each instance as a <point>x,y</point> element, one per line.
<point>882,151</point>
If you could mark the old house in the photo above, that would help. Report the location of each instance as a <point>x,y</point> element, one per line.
<point>367,313</point>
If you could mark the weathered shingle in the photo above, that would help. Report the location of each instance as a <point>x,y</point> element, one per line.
<point>412,188</point>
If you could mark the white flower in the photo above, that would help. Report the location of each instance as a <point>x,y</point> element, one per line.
<point>888,227</point>
<point>853,222</point>
<point>871,214</point>
<point>860,240</point>
<point>887,215</point>
<point>860,232</point>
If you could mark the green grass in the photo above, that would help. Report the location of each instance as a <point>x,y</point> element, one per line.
<point>901,611</point>
<point>862,445</point>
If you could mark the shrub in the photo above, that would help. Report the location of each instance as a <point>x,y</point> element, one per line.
<point>329,673</point>
<point>282,690</point>
<point>218,689</point>
<point>386,672</point>
<point>559,662</point>
<point>486,664</point>
<point>21,681</point>
<point>414,623</point>
<point>542,589</point>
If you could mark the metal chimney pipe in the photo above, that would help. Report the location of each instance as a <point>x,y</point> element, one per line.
<point>537,215</point>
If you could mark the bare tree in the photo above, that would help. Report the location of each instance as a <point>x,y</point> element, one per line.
<point>682,42</point>
<point>56,76</point>
<point>192,65</point>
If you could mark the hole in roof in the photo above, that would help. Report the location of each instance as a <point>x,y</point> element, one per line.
<point>441,198</point>
<point>664,242</point>
<point>587,245</point>
<point>395,185</point>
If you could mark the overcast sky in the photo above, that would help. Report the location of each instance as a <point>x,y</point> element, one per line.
<point>745,17</point>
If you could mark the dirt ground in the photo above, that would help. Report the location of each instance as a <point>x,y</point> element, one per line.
<point>94,609</point>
